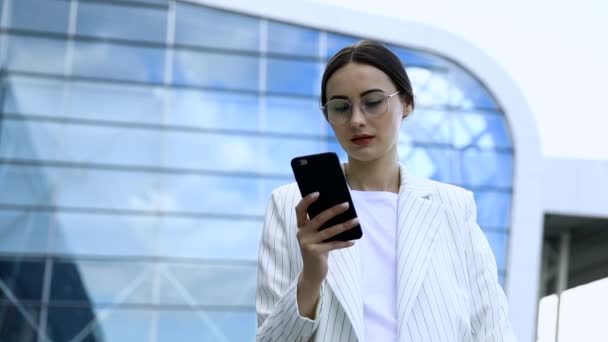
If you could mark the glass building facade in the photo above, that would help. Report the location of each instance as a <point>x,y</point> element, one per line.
<point>139,144</point>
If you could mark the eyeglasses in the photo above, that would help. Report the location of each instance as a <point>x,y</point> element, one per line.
<point>339,111</point>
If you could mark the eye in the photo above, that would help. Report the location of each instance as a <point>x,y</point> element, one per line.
<point>372,103</point>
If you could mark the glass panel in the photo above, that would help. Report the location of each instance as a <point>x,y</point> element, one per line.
<point>335,147</point>
<point>427,162</point>
<point>498,242</point>
<point>45,16</point>
<point>280,152</point>
<point>418,58</point>
<point>15,327</point>
<point>136,63</point>
<point>30,140</point>
<point>219,71</point>
<point>24,231</point>
<point>137,234</point>
<point>231,284</point>
<point>292,115</point>
<point>479,129</point>
<point>111,325</point>
<point>427,126</point>
<point>152,2</point>
<point>484,168</point>
<point>102,282</point>
<point>63,142</point>
<point>294,77</point>
<point>197,25</point>
<point>468,93</point>
<point>292,40</point>
<point>213,194</point>
<point>336,42</point>
<point>25,185</point>
<point>23,54</point>
<point>195,108</point>
<point>116,102</point>
<point>493,209</point>
<point>501,279</point>
<point>21,91</point>
<point>228,326</point>
<point>431,88</point>
<point>210,238</point>
<point>110,21</point>
<point>22,278</point>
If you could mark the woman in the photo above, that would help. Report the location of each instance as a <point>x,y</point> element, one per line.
<point>423,270</point>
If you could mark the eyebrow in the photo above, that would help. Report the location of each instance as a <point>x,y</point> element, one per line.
<point>360,95</point>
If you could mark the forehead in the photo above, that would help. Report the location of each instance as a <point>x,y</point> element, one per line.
<point>354,78</point>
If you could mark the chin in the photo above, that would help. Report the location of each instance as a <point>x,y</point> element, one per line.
<point>363,155</point>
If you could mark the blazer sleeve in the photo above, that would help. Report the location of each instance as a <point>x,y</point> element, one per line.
<point>489,314</point>
<point>278,315</point>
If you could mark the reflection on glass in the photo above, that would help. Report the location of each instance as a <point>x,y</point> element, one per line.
<point>222,239</point>
<point>24,185</point>
<point>215,70</point>
<point>484,168</point>
<point>110,21</point>
<point>102,282</point>
<point>63,142</point>
<point>22,278</point>
<point>468,93</point>
<point>335,43</point>
<point>292,40</point>
<point>214,109</point>
<point>116,102</point>
<point>24,231</point>
<point>45,16</point>
<point>498,243</point>
<point>100,60</point>
<point>493,209</point>
<point>137,234</point>
<point>480,129</point>
<point>231,284</point>
<point>426,126</point>
<point>29,140</point>
<point>23,54</point>
<point>293,115</point>
<point>15,325</point>
<point>278,159</point>
<point>411,57</point>
<point>197,25</point>
<point>427,162</point>
<point>293,77</point>
<point>21,91</point>
<point>231,326</point>
<point>431,87</point>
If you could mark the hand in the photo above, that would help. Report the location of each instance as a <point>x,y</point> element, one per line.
<point>314,251</point>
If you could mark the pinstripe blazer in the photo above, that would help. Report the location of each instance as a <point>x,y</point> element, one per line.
<point>447,287</point>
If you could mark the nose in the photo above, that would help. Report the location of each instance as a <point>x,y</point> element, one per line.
<point>357,118</point>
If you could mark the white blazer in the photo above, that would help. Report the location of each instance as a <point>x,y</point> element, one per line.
<point>446,275</point>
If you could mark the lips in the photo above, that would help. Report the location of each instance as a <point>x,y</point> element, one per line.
<point>362,139</point>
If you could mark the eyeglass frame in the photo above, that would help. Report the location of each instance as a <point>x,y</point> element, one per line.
<point>386,98</point>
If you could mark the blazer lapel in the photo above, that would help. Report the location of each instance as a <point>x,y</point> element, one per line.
<point>343,277</point>
<point>418,220</point>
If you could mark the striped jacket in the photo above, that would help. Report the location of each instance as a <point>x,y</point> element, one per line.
<point>446,274</point>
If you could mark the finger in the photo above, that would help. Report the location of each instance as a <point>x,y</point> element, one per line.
<point>302,208</point>
<point>332,231</point>
<point>335,245</point>
<point>326,215</point>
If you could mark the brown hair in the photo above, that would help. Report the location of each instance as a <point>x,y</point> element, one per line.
<point>376,55</point>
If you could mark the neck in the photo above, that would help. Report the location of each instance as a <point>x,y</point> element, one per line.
<point>377,175</point>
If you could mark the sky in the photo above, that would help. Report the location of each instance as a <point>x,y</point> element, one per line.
<point>555,51</point>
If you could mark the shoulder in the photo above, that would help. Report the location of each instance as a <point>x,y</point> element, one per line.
<point>444,192</point>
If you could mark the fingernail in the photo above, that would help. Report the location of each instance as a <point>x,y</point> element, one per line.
<point>314,194</point>
<point>345,205</point>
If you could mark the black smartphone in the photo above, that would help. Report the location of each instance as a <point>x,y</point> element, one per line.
<point>323,173</point>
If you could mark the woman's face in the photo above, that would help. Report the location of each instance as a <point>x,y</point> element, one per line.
<point>366,138</point>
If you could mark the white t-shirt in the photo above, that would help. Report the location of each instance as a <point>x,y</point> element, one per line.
<point>377,212</point>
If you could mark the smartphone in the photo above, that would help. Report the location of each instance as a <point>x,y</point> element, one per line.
<point>323,173</point>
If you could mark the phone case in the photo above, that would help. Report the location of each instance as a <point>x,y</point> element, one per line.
<point>323,173</point>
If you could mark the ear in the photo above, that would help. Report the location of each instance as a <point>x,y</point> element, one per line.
<point>407,110</point>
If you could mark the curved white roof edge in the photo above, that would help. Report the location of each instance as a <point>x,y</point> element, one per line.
<point>523,266</point>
